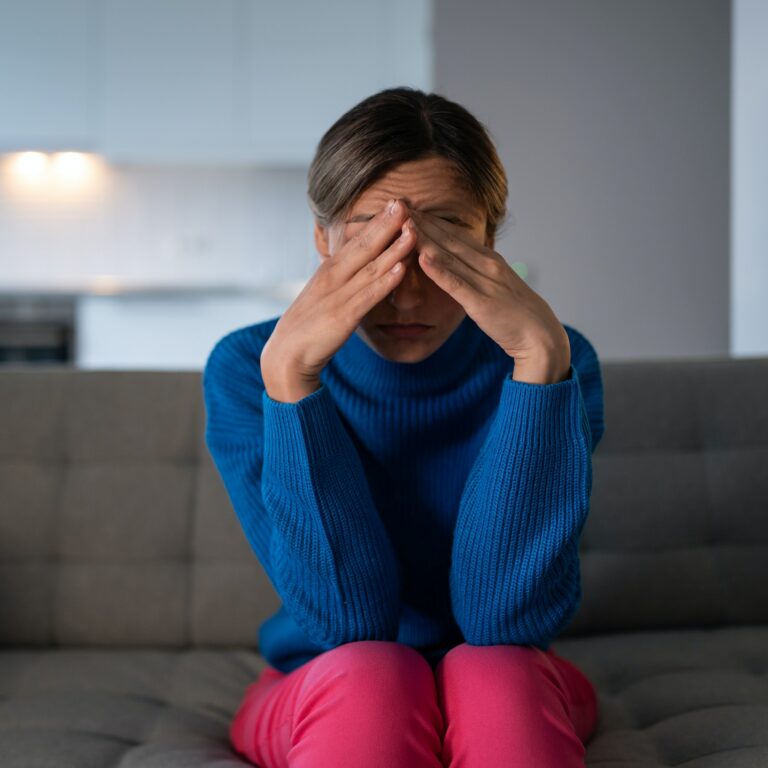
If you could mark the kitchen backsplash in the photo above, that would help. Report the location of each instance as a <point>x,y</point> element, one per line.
<point>148,223</point>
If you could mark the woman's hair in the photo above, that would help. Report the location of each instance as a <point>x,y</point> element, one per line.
<point>395,126</point>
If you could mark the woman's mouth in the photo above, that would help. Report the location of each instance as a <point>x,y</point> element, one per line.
<point>406,331</point>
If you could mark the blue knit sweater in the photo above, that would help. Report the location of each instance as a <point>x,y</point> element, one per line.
<point>427,503</point>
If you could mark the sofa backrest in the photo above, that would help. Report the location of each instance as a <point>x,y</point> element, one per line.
<point>116,530</point>
<point>677,534</point>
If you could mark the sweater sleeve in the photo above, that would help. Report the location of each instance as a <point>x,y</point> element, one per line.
<point>515,572</point>
<point>298,488</point>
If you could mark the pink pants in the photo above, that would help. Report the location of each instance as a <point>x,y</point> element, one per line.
<point>375,703</point>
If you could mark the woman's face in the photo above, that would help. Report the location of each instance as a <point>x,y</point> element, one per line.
<point>429,185</point>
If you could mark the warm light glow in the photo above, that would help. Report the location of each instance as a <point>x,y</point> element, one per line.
<point>105,284</point>
<point>62,177</point>
<point>30,167</point>
<point>72,168</point>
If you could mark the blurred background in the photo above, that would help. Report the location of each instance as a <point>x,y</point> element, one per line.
<point>153,161</point>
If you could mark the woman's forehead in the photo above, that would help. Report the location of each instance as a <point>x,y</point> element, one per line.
<point>423,189</point>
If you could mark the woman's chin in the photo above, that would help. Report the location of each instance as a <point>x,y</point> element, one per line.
<point>404,350</point>
<point>401,350</point>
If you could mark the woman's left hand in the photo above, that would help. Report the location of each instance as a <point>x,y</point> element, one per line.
<point>500,302</point>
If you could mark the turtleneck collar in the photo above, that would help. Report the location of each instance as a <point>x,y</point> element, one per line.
<point>366,370</point>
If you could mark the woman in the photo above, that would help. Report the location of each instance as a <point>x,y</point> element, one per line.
<point>408,450</point>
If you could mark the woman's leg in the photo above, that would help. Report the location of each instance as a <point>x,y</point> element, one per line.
<point>513,705</point>
<point>368,703</point>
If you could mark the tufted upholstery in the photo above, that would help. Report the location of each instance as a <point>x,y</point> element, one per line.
<point>115,528</point>
<point>130,600</point>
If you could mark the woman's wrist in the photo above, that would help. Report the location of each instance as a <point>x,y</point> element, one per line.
<point>286,386</point>
<point>291,392</point>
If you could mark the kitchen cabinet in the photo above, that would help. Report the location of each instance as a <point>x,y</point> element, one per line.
<point>150,325</point>
<point>171,80</point>
<point>171,332</point>
<point>307,68</point>
<point>199,81</point>
<point>48,73</point>
<point>256,83</point>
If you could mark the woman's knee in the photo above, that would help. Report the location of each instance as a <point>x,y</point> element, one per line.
<point>373,686</point>
<point>368,702</point>
<point>489,665</point>
<point>497,694</point>
<point>388,669</point>
<point>522,656</point>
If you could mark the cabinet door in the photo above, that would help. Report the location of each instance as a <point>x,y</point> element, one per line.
<point>168,80</point>
<point>47,65</point>
<point>310,62</point>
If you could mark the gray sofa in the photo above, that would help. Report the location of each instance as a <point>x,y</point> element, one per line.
<point>130,600</point>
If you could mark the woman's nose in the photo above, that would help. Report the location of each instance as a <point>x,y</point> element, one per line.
<point>410,290</point>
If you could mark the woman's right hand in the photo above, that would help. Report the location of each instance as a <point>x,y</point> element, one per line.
<point>343,289</point>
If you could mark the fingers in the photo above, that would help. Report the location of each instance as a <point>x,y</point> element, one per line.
<point>372,239</point>
<point>380,276</point>
<point>453,276</point>
<point>448,245</point>
<point>451,233</point>
<point>450,271</point>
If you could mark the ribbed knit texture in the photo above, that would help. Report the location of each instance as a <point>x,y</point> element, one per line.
<point>430,503</point>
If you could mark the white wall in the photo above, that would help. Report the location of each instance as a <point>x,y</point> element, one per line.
<point>749,180</point>
<point>612,120</point>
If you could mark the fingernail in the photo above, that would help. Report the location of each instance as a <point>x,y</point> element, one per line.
<point>392,205</point>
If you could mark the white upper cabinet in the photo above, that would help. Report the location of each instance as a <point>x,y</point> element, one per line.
<point>169,76</point>
<point>254,82</point>
<point>47,75</point>
<point>307,67</point>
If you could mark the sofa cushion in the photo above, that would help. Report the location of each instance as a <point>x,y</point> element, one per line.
<point>672,697</point>
<point>95,708</point>
<point>666,697</point>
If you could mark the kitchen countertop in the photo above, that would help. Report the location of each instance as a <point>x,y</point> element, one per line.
<point>109,286</point>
